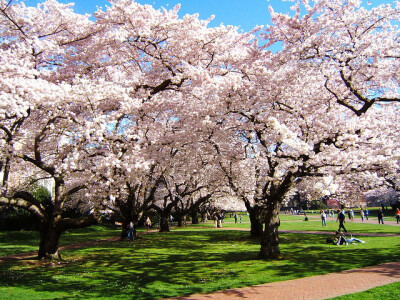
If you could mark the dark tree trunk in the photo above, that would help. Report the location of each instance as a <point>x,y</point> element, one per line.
<point>195,217</point>
<point>256,222</point>
<point>204,217</point>
<point>51,229</point>
<point>270,238</point>
<point>49,240</point>
<point>181,221</point>
<point>164,223</point>
<point>125,229</point>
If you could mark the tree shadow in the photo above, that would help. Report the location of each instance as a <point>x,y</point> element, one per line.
<point>180,263</point>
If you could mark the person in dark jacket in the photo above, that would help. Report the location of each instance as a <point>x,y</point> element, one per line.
<point>342,219</point>
<point>380,216</point>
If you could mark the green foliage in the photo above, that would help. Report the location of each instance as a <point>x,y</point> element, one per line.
<point>317,204</point>
<point>43,195</point>
<point>20,219</point>
<point>17,219</point>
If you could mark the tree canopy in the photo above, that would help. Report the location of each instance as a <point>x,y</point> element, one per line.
<point>139,109</point>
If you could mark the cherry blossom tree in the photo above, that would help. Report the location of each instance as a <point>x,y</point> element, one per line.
<point>141,108</point>
<point>41,117</point>
<point>190,179</point>
<point>174,68</point>
<point>302,114</point>
<point>296,128</point>
<point>351,50</point>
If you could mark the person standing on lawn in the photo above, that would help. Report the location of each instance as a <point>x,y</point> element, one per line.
<point>342,219</point>
<point>397,214</point>
<point>380,216</point>
<point>323,217</point>
<point>131,232</point>
<point>362,215</point>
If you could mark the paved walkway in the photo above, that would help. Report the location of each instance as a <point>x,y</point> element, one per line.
<point>314,287</point>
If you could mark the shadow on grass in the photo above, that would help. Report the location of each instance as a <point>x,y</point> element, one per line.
<point>183,262</point>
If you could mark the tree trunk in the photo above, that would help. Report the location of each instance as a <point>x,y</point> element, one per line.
<point>195,217</point>
<point>49,240</point>
<point>164,223</point>
<point>180,220</point>
<point>125,228</point>
<point>256,222</point>
<point>204,217</point>
<point>180,223</point>
<point>51,229</point>
<point>270,238</point>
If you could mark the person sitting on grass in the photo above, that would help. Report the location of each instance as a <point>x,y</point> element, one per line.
<point>352,240</point>
<point>340,239</point>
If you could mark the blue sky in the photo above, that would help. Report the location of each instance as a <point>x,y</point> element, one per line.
<point>244,13</point>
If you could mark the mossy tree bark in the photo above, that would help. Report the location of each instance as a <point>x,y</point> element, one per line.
<point>270,237</point>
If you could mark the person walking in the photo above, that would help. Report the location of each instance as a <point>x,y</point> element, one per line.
<point>323,217</point>
<point>366,214</point>
<point>397,214</point>
<point>362,215</point>
<point>235,218</point>
<point>380,216</point>
<point>219,220</point>
<point>131,232</point>
<point>342,219</point>
<point>148,223</point>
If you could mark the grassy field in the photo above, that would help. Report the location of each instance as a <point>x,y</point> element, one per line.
<point>184,261</point>
<point>289,222</point>
<point>14,242</point>
<point>387,292</point>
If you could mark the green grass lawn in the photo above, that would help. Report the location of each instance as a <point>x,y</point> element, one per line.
<point>14,242</point>
<point>332,225</point>
<point>184,261</point>
<point>387,292</point>
<point>289,222</point>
